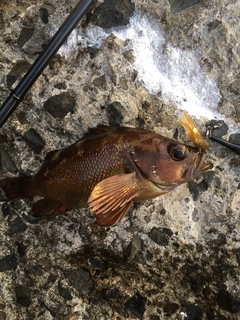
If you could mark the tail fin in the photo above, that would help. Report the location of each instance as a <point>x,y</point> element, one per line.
<point>15,187</point>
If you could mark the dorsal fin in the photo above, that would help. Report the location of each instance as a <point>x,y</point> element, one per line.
<point>103,129</point>
<point>100,129</point>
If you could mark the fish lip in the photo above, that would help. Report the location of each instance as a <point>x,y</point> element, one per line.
<point>196,167</point>
<point>166,186</point>
<point>205,166</point>
<point>201,166</point>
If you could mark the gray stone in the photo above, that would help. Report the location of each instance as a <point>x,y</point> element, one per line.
<point>114,113</point>
<point>179,5</point>
<point>81,280</point>
<point>134,248</point>
<point>235,138</point>
<point>170,308</point>
<point>193,312</point>
<point>34,140</point>
<point>226,301</point>
<point>6,162</point>
<point>236,104</point>
<point>64,291</point>
<point>60,105</point>
<point>25,35</point>
<point>161,236</point>
<point>111,293</point>
<point>97,264</point>
<point>17,226</point>
<point>136,304</point>
<point>113,13</point>
<point>1,20</point>
<point>17,70</point>
<point>3,315</point>
<point>8,263</point>
<point>100,82</point>
<point>197,189</point>
<point>23,295</point>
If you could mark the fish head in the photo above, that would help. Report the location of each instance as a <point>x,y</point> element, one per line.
<point>169,163</point>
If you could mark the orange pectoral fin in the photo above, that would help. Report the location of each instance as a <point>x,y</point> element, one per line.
<point>112,197</point>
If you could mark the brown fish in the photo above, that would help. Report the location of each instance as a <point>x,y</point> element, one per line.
<point>107,170</point>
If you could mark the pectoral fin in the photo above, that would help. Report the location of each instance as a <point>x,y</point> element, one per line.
<point>112,197</point>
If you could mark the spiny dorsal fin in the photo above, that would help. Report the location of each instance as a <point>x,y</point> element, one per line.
<point>100,129</point>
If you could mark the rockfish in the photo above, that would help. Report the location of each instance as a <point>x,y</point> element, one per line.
<point>107,170</point>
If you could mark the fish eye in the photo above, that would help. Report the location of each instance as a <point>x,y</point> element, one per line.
<point>177,153</point>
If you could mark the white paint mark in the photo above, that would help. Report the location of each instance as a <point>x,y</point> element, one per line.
<point>173,74</point>
<point>71,43</point>
<point>170,72</point>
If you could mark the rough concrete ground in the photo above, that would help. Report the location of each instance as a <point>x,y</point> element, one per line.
<point>175,257</point>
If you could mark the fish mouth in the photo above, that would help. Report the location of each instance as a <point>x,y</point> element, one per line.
<point>204,167</point>
<point>197,166</point>
<point>166,186</point>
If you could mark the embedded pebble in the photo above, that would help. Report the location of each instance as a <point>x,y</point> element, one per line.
<point>227,302</point>
<point>114,114</point>
<point>25,35</point>
<point>3,315</point>
<point>80,280</point>
<point>34,140</point>
<point>111,14</point>
<point>179,5</point>
<point>161,236</point>
<point>20,68</point>
<point>193,312</point>
<point>197,189</point>
<point>134,248</point>
<point>235,138</point>
<point>8,263</point>
<point>6,162</point>
<point>16,226</point>
<point>111,293</point>
<point>60,105</point>
<point>64,291</point>
<point>170,308</point>
<point>23,295</point>
<point>136,304</point>
<point>1,20</point>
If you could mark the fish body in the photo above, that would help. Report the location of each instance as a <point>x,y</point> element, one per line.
<point>107,170</point>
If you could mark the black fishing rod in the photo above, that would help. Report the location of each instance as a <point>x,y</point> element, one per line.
<point>231,146</point>
<point>17,95</point>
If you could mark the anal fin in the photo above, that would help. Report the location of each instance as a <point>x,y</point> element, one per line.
<point>47,207</point>
<point>112,197</point>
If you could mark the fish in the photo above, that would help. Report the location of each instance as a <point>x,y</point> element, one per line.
<point>107,170</point>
